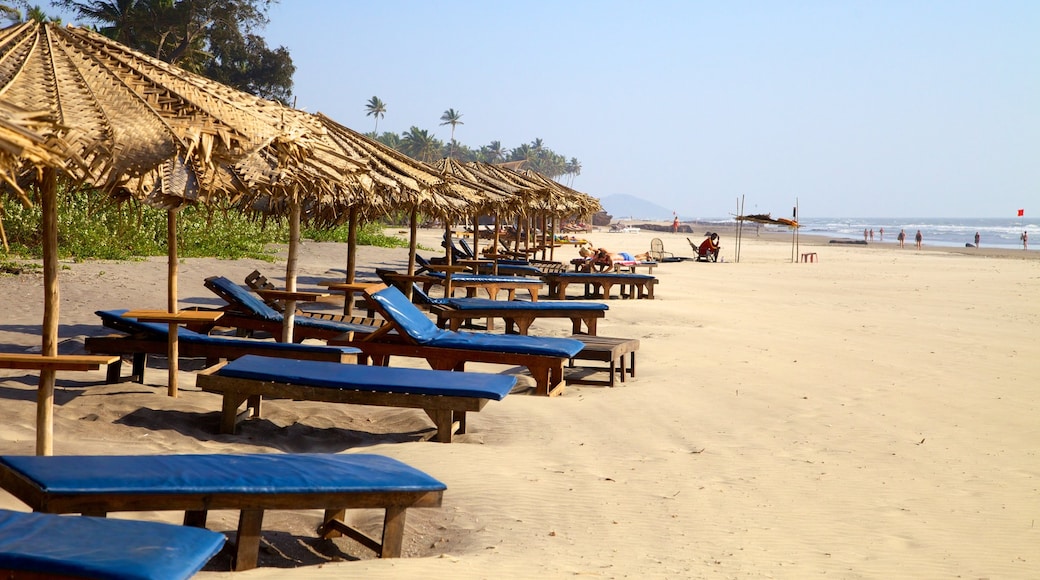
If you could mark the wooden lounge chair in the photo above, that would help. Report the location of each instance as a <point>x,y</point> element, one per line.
<point>34,545</point>
<point>410,333</point>
<point>144,338</point>
<point>98,485</point>
<point>599,284</point>
<point>248,313</point>
<point>518,315</point>
<point>445,397</point>
<point>490,283</point>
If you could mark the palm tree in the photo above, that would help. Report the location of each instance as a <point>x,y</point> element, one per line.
<point>573,170</point>
<point>453,118</point>
<point>376,108</point>
<point>419,144</point>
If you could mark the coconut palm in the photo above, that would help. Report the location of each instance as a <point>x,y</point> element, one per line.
<point>453,118</point>
<point>376,108</point>
<point>420,144</point>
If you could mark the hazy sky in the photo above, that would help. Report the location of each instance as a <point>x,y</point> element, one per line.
<point>880,108</point>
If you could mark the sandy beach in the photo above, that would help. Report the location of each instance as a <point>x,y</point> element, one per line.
<point>870,415</point>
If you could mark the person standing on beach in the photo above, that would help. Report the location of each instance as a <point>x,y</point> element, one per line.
<point>1025,240</point>
<point>864,234</point>
<point>901,237</point>
<point>872,234</point>
<point>918,239</point>
<point>881,235</point>
<point>675,225</point>
<point>977,238</point>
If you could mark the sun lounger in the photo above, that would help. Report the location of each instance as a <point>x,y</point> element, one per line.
<point>490,283</point>
<point>34,545</point>
<point>445,397</point>
<point>410,333</point>
<point>98,485</point>
<point>247,312</point>
<point>632,285</point>
<point>518,315</point>
<point>145,338</point>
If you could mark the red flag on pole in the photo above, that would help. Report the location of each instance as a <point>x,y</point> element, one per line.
<point>1021,212</point>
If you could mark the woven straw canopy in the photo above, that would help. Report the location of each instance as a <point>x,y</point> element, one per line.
<point>27,138</point>
<point>150,130</point>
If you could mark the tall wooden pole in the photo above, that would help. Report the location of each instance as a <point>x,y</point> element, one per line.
<point>290,270</point>
<point>413,244</point>
<point>173,348</point>
<point>45,393</point>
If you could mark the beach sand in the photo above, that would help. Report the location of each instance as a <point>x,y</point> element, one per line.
<point>871,415</point>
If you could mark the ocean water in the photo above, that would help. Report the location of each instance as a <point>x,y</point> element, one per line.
<point>952,232</point>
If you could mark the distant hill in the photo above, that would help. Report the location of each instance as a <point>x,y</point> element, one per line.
<point>628,207</point>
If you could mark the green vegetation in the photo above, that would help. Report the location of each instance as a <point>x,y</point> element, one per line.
<point>92,227</point>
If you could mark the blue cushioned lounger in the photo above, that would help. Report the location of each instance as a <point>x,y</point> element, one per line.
<point>151,338</point>
<point>445,396</point>
<point>413,322</point>
<point>98,485</point>
<point>418,336</point>
<point>244,303</point>
<point>49,545</point>
<point>453,312</point>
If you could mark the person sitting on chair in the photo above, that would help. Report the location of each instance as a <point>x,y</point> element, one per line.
<point>709,248</point>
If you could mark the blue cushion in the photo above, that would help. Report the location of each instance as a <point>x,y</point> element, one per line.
<point>513,343</point>
<point>254,306</point>
<point>541,305</point>
<point>103,548</point>
<point>115,319</point>
<point>221,473</point>
<point>370,378</point>
<point>412,321</point>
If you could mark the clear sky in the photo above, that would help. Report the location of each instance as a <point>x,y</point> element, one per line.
<point>896,108</point>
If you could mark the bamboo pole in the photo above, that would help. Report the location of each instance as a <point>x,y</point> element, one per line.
<point>413,244</point>
<point>45,393</point>
<point>352,227</point>
<point>290,270</point>
<point>173,348</point>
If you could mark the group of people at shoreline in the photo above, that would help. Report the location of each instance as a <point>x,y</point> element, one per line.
<point>868,235</point>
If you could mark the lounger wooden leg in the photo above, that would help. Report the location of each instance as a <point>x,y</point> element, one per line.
<point>590,323</point>
<point>442,418</point>
<point>247,548</point>
<point>113,372</point>
<point>140,359</point>
<point>523,324</point>
<point>229,411</point>
<point>329,528</point>
<point>393,532</point>
<point>195,518</point>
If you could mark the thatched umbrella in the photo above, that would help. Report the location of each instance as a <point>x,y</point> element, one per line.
<point>144,129</point>
<point>404,184</point>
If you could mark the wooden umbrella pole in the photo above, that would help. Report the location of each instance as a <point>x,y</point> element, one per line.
<point>545,239</point>
<point>352,232</point>
<point>290,270</point>
<point>45,393</point>
<point>3,234</point>
<point>352,227</point>
<point>447,257</point>
<point>476,234</point>
<point>413,227</point>
<point>171,300</point>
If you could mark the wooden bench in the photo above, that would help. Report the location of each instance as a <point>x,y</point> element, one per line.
<point>99,485</point>
<point>809,257</point>
<point>446,397</point>
<point>607,349</point>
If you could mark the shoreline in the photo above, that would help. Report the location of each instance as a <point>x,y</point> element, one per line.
<point>863,416</point>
